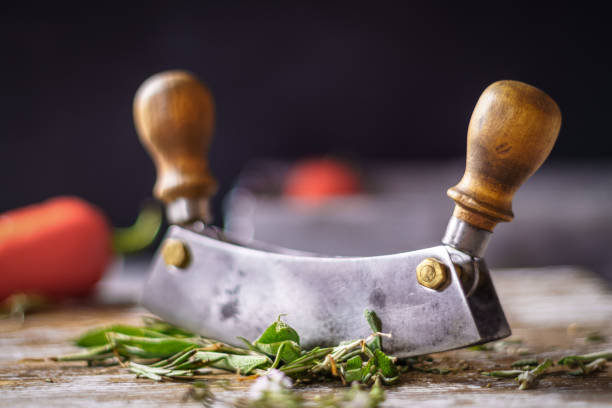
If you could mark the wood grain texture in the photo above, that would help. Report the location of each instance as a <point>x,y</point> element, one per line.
<point>174,117</point>
<point>539,314</point>
<point>513,128</point>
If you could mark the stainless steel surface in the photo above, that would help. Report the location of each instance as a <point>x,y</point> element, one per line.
<point>465,237</point>
<point>229,290</point>
<point>214,232</point>
<point>184,210</point>
<point>261,246</point>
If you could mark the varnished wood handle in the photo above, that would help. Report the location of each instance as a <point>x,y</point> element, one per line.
<point>174,117</point>
<point>513,128</point>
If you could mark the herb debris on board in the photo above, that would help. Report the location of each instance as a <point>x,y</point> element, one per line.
<point>160,351</point>
<point>528,372</point>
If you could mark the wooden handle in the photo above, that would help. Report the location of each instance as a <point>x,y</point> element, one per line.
<point>174,117</point>
<point>512,130</point>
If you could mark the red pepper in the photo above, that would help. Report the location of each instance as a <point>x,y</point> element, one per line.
<point>317,179</point>
<point>59,248</point>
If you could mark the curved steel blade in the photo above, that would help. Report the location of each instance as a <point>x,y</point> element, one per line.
<point>229,290</point>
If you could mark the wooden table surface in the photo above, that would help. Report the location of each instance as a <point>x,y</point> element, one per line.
<point>550,309</point>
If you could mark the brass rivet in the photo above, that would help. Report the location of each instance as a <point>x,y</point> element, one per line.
<point>431,273</point>
<point>175,253</point>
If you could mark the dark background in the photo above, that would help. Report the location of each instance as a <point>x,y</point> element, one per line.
<point>373,81</point>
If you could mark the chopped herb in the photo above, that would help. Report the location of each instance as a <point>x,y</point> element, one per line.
<point>160,351</point>
<point>574,361</point>
<point>593,366</point>
<point>528,379</point>
<point>503,373</point>
<point>376,327</point>
<point>525,363</point>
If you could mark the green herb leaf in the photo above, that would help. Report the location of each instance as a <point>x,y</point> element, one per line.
<point>277,332</point>
<point>279,336</point>
<point>523,363</point>
<point>385,364</point>
<point>354,363</point>
<point>144,371</point>
<point>595,365</point>
<point>527,379</point>
<point>237,363</point>
<point>376,327</point>
<point>91,353</point>
<point>152,347</point>
<point>503,373</point>
<point>573,361</point>
<point>353,369</point>
<point>97,337</point>
<point>368,370</point>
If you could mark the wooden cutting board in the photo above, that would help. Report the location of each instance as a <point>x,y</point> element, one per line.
<point>551,310</point>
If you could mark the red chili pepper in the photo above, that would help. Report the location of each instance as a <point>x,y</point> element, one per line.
<point>59,248</point>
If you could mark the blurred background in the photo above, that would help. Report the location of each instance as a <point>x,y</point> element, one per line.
<point>387,88</point>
